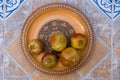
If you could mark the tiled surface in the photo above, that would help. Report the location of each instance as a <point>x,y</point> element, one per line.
<point>103,64</point>
<point>103,70</point>
<point>92,61</point>
<point>116,57</point>
<point>1,65</point>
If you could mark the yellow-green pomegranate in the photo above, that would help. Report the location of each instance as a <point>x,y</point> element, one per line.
<point>49,60</point>
<point>78,41</point>
<point>35,46</point>
<point>58,42</point>
<point>69,57</point>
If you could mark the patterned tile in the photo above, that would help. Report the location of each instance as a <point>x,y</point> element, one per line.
<point>15,22</point>
<point>77,3</point>
<point>1,9</point>
<point>117,20</point>
<point>1,59</point>
<point>12,6</point>
<point>98,79</point>
<point>21,59</point>
<point>1,34</point>
<point>13,30</point>
<point>17,12</point>
<point>1,28</point>
<point>1,43</point>
<point>104,32</point>
<point>106,6</point>
<point>90,11</point>
<point>39,3</point>
<point>116,33</point>
<point>1,65</point>
<point>95,58</point>
<point>16,78</point>
<point>116,67</point>
<point>103,70</point>
<point>42,76</point>
<point>116,9</point>
<point>11,69</point>
<point>94,15</point>
<point>21,13</point>
<point>117,51</point>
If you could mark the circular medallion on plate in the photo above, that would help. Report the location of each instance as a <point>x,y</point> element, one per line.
<point>53,27</point>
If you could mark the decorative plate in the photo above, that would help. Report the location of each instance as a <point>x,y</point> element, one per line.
<point>56,18</point>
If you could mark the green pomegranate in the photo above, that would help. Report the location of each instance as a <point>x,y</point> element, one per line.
<point>69,57</point>
<point>58,42</point>
<point>78,41</point>
<point>35,46</point>
<point>49,60</point>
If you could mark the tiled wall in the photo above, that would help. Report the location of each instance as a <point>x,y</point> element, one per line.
<point>103,64</point>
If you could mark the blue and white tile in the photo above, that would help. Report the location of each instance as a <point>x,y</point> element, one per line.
<point>12,6</point>
<point>116,9</point>
<point>17,10</point>
<point>111,8</point>
<point>15,21</point>
<point>100,23</point>
<point>1,22</point>
<point>94,14</point>
<point>1,10</point>
<point>105,6</point>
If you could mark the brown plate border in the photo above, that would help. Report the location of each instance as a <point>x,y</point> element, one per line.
<point>40,10</point>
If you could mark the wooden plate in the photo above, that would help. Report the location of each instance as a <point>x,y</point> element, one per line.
<point>56,18</point>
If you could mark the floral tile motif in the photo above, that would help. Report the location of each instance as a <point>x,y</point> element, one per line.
<point>1,8</point>
<point>105,6</point>
<point>116,8</point>
<point>21,13</point>
<point>111,8</point>
<point>10,7</point>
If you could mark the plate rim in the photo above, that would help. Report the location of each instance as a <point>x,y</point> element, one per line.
<point>57,5</point>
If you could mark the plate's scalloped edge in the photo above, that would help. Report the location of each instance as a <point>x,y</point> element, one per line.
<point>40,10</point>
